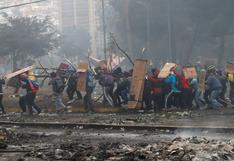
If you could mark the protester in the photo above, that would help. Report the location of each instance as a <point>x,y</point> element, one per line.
<point>107,82</point>
<point>223,80</point>
<point>22,92</point>
<point>118,77</point>
<point>173,91</point>
<point>147,95</point>
<point>2,82</point>
<point>31,89</point>
<point>186,97</point>
<point>215,87</point>
<point>173,94</point>
<point>72,88</point>
<point>197,94</point>
<point>157,90</point>
<point>124,88</point>
<point>58,86</point>
<point>90,85</point>
<point>231,81</point>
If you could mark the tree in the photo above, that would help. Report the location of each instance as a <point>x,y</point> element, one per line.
<point>200,27</point>
<point>75,42</point>
<point>215,19</point>
<point>26,38</point>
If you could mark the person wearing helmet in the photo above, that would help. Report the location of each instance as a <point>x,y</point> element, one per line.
<point>231,81</point>
<point>2,82</point>
<point>214,85</point>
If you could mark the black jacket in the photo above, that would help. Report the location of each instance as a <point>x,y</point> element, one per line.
<point>2,82</point>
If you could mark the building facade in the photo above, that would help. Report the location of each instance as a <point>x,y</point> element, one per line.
<point>79,14</point>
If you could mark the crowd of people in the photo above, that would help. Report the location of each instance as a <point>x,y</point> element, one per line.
<point>174,91</point>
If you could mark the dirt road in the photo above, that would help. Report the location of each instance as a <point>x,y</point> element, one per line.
<point>35,144</point>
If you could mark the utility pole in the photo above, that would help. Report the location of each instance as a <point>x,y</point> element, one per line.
<point>171,36</point>
<point>148,27</point>
<point>104,29</point>
<point>146,5</point>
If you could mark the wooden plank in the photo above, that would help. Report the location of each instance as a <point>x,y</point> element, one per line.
<point>82,70</point>
<point>190,72</point>
<point>230,67</point>
<point>83,67</point>
<point>137,85</point>
<point>62,69</point>
<point>202,79</point>
<point>11,75</point>
<point>165,71</point>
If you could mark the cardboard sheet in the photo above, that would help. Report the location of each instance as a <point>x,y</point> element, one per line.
<point>82,77</point>
<point>230,67</point>
<point>202,79</point>
<point>165,71</point>
<point>137,85</point>
<point>190,72</point>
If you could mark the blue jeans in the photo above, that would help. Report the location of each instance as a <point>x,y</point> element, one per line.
<point>213,99</point>
<point>198,98</point>
<point>58,101</point>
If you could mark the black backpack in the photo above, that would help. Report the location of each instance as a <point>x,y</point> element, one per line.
<point>59,85</point>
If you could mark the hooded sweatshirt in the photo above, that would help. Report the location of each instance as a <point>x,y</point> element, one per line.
<point>213,82</point>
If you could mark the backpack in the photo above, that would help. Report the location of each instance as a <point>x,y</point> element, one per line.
<point>59,85</point>
<point>108,80</point>
<point>90,80</point>
<point>34,85</point>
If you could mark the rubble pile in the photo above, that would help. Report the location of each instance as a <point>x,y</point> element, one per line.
<point>178,149</point>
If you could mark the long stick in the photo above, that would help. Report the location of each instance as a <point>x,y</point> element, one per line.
<point>71,64</point>
<point>99,98</point>
<point>44,69</point>
<point>125,54</point>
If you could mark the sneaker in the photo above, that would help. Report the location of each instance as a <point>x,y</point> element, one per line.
<point>71,101</point>
<point>69,107</point>
<point>65,110</point>
<point>58,112</point>
<point>38,112</point>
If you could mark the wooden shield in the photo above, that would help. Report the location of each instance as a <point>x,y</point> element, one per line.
<point>82,77</point>
<point>190,72</point>
<point>137,85</point>
<point>165,71</point>
<point>202,80</point>
<point>230,67</point>
<point>21,71</point>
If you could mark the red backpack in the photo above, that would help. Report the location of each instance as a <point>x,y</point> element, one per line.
<point>34,85</point>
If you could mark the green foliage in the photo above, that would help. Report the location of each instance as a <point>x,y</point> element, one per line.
<point>27,38</point>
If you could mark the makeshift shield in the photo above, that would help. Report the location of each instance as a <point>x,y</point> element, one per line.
<point>137,85</point>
